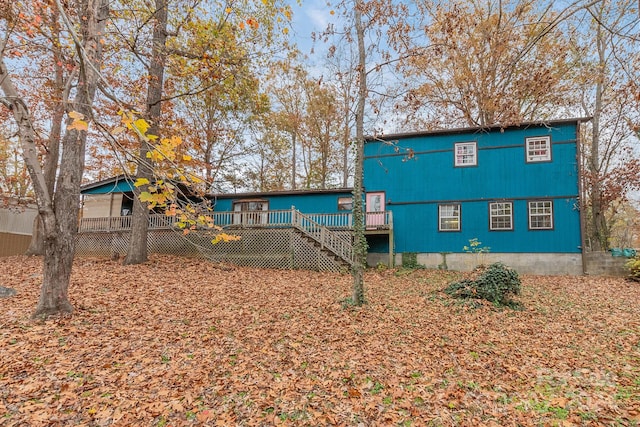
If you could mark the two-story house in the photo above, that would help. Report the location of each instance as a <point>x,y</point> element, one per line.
<point>515,189</point>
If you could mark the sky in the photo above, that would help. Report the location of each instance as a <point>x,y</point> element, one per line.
<point>310,16</point>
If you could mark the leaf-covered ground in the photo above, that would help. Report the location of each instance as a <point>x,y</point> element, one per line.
<point>180,342</point>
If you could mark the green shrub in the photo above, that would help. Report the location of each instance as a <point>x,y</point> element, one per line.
<point>498,284</point>
<point>410,260</point>
<point>633,265</point>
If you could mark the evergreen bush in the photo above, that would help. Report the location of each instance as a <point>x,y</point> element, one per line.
<point>633,265</point>
<point>498,284</point>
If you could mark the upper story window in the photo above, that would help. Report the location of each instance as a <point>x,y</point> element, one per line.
<point>500,216</point>
<point>466,154</point>
<point>538,149</point>
<point>541,215</point>
<point>449,217</point>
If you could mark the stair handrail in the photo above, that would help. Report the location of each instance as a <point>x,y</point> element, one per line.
<point>327,238</point>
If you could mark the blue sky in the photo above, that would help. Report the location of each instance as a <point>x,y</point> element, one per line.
<point>311,16</point>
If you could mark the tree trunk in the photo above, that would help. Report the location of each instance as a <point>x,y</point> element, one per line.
<point>293,159</point>
<point>137,252</point>
<point>36,245</point>
<point>60,219</point>
<point>599,231</point>
<point>60,236</point>
<point>346,139</point>
<point>360,241</point>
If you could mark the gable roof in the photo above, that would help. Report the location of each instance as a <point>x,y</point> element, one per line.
<point>477,129</point>
<point>116,184</point>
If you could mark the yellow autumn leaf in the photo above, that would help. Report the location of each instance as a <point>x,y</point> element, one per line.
<point>76,115</point>
<point>141,125</point>
<point>228,10</point>
<point>224,237</point>
<point>186,157</point>
<point>141,181</point>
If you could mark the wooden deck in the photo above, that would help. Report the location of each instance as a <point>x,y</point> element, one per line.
<point>377,222</point>
<point>326,230</point>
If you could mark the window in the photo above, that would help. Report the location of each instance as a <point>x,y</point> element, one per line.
<point>538,149</point>
<point>541,215</point>
<point>501,216</point>
<point>449,217</point>
<point>466,154</point>
<point>345,203</point>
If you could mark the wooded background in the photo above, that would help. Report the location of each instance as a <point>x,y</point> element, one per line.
<point>220,90</point>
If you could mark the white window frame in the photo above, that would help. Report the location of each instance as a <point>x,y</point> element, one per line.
<point>498,211</point>
<point>540,209</point>
<point>453,217</point>
<point>465,154</point>
<point>538,149</point>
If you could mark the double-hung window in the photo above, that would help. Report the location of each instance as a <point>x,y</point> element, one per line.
<point>541,215</point>
<point>500,216</point>
<point>538,149</point>
<point>449,217</point>
<point>466,154</point>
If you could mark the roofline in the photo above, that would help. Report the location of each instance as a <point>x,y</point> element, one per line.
<point>112,180</point>
<point>123,177</point>
<point>477,129</point>
<point>279,193</point>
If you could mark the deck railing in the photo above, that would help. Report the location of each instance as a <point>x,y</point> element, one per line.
<point>253,219</point>
<point>328,239</point>
<point>118,223</point>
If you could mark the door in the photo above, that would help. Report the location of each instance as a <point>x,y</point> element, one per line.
<point>251,212</point>
<point>375,210</point>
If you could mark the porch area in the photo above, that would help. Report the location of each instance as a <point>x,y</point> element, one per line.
<point>269,239</point>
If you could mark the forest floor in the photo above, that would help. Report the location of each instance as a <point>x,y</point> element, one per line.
<point>179,342</point>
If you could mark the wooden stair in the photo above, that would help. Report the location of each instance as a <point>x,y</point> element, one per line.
<point>329,242</point>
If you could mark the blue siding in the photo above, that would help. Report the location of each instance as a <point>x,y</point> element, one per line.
<point>304,202</point>
<point>112,187</point>
<point>415,185</point>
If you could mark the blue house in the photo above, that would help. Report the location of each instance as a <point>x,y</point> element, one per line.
<point>427,195</point>
<point>308,229</point>
<point>514,189</point>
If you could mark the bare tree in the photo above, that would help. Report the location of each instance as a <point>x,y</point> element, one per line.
<point>60,212</point>
<point>137,251</point>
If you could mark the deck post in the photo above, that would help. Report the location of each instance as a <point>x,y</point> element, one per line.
<point>391,248</point>
<point>293,215</point>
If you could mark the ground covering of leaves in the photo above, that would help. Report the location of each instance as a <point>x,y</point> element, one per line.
<point>181,342</point>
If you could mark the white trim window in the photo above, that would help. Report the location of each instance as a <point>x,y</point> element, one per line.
<point>538,149</point>
<point>500,216</point>
<point>449,217</point>
<point>466,154</point>
<point>541,215</point>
